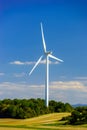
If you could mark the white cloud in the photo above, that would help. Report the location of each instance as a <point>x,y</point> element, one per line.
<point>2,74</point>
<point>20,90</point>
<point>17,63</point>
<point>1,93</point>
<point>19,75</point>
<point>31,62</point>
<point>50,62</point>
<point>69,85</point>
<point>81,78</point>
<point>9,86</point>
<point>70,91</point>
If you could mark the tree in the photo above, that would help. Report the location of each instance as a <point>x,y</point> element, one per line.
<point>68,107</point>
<point>78,116</point>
<point>26,108</point>
<point>60,107</point>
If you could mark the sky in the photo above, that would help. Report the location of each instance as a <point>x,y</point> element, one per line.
<point>65,31</point>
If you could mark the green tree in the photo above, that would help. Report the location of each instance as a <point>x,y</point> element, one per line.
<point>68,107</point>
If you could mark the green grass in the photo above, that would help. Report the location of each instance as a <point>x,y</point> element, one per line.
<point>45,122</point>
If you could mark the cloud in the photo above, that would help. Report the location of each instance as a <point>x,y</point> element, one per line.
<point>81,78</point>
<point>7,85</point>
<point>1,93</point>
<point>17,63</point>
<point>69,85</point>
<point>20,90</point>
<point>19,75</point>
<point>70,91</point>
<point>2,74</point>
<point>31,62</point>
<point>50,62</point>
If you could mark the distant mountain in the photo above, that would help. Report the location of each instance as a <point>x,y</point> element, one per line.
<point>79,105</point>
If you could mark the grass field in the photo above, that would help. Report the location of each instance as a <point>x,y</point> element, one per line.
<point>45,122</point>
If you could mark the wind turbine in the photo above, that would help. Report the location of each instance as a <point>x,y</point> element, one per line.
<point>47,54</point>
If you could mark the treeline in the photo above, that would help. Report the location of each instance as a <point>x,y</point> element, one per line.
<point>78,116</point>
<point>26,108</point>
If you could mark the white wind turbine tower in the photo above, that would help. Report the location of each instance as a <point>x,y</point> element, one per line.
<point>47,54</point>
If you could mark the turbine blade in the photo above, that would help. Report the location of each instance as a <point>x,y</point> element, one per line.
<point>53,57</point>
<point>43,39</point>
<point>35,65</point>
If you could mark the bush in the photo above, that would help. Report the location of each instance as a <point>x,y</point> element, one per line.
<point>78,116</point>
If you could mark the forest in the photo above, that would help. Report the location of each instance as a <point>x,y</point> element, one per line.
<point>78,116</point>
<point>26,108</point>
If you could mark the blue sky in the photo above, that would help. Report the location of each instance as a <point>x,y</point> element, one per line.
<point>65,30</point>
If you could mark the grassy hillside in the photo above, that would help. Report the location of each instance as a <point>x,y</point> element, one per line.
<point>45,122</point>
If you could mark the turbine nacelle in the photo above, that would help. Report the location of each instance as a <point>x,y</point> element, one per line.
<point>48,52</point>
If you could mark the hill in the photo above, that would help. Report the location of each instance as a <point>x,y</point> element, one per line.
<point>79,105</point>
<point>44,122</point>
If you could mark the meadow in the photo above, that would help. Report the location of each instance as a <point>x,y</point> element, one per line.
<point>44,122</point>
